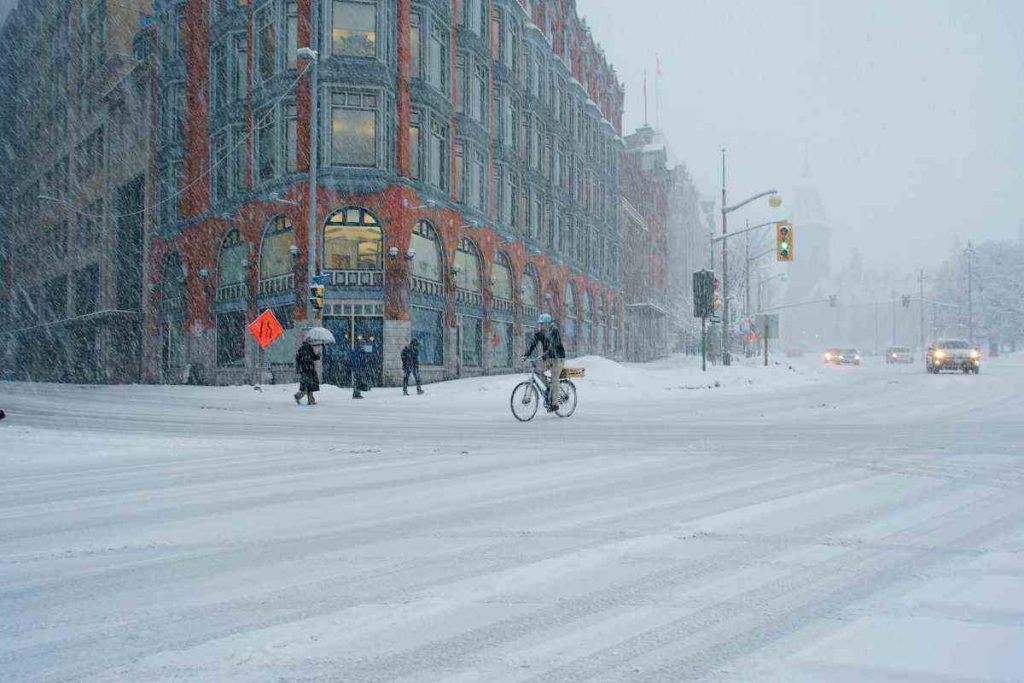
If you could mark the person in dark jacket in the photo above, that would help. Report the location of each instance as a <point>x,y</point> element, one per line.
<point>305,365</point>
<point>411,366</point>
<point>356,364</point>
<point>549,337</point>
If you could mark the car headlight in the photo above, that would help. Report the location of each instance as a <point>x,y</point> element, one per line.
<point>974,354</point>
<point>856,357</point>
<point>828,356</point>
<point>894,355</point>
<point>939,355</point>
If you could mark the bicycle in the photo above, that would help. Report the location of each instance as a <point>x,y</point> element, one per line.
<point>527,395</point>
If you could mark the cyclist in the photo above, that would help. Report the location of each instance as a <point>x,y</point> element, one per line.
<point>550,339</point>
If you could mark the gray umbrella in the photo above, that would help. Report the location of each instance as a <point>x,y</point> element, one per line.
<point>320,335</point>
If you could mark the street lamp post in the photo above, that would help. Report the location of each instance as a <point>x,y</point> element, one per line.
<point>309,54</point>
<point>726,210</point>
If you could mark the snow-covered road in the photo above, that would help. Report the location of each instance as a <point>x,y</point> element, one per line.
<point>805,523</point>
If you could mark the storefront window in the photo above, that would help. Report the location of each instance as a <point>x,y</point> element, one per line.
<point>502,345</point>
<point>470,335</point>
<point>427,327</point>
<point>231,338</point>
<point>353,240</point>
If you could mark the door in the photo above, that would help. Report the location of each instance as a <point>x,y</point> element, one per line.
<point>351,331</point>
<point>334,357</point>
<point>369,334</point>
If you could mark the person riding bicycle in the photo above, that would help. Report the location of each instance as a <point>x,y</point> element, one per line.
<point>553,358</point>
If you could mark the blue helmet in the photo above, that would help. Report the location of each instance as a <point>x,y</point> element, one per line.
<point>544,318</point>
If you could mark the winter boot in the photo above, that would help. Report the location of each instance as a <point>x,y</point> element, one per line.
<point>298,398</point>
<point>405,392</point>
<point>419,390</point>
<point>311,400</point>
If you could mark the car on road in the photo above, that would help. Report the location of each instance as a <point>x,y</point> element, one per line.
<point>898,355</point>
<point>839,356</point>
<point>952,354</point>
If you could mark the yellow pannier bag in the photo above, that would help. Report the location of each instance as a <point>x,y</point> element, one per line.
<point>573,373</point>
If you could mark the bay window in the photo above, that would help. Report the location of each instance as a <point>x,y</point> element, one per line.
<point>354,28</point>
<point>354,124</point>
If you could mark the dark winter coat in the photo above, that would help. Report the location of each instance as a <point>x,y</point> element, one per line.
<point>411,357</point>
<point>550,342</point>
<point>305,366</point>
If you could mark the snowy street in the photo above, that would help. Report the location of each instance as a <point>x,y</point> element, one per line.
<point>800,523</point>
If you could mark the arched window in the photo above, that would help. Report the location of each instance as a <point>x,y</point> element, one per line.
<point>428,263</point>
<point>275,250</point>
<point>353,240</point>
<point>502,277</point>
<point>467,263</point>
<point>232,265</point>
<point>531,287</point>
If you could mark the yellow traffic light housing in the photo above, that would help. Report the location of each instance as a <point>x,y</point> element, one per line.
<point>775,201</point>
<point>317,296</point>
<point>784,241</point>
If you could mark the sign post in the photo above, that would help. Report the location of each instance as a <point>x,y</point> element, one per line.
<point>266,330</point>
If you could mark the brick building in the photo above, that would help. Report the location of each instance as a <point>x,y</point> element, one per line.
<point>468,180</point>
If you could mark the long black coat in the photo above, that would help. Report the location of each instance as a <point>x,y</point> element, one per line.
<point>305,366</point>
<point>411,358</point>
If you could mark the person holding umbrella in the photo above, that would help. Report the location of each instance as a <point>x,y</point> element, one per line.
<point>305,365</point>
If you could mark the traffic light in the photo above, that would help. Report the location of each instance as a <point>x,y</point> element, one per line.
<point>784,241</point>
<point>316,296</point>
<point>703,289</point>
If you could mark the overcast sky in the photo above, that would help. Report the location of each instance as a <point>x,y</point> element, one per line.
<point>910,114</point>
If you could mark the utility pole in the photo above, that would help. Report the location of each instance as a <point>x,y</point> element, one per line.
<point>726,357</point>
<point>314,176</point>
<point>920,291</point>
<point>746,306</point>
<point>970,297</point>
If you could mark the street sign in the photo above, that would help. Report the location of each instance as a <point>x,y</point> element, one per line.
<point>769,321</point>
<point>265,329</point>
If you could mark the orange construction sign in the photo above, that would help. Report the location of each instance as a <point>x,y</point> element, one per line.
<point>265,329</point>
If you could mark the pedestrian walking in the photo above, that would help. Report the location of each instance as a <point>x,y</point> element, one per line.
<point>305,365</point>
<point>549,337</point>
<point>411,366</point>
<point>356,364</point>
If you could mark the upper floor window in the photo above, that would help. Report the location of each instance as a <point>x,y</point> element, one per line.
<point>354,125</point>
<point>266,43</point>
<point>439,154</point>
<point>291,10</point>
<point>415,46</point>
<point>354,27</point>
<point>427,247</point>
<point>239,76</point>
<point>438,59</point>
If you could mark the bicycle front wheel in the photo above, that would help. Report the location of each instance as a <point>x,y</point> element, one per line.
<point>567,404</point>
<point>525,401</point>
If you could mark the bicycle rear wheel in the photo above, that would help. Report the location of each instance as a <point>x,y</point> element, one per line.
<point>567,404</point>
<point>525,401</point>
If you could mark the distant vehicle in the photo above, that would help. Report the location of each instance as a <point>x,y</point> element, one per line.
<point>898,355</point>
<point>795,352</point>
<point>837,356</point>
<point>952,354</point>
